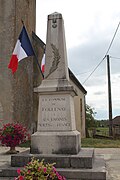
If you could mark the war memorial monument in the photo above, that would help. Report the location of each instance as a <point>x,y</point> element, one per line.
<point>56,139</point>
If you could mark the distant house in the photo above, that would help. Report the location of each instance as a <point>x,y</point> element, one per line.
<point>116,126</point>
<point>79,101</point>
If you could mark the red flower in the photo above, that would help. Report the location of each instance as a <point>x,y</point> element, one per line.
<point>29,171</point>
<point>21,178</point>
<point>13,134</point>
<point>44,169</point>
<point>54,169</point>
<point>39,169</point>
<point>18,171</point>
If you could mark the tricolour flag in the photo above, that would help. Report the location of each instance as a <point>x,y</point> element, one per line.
<point>23,49</point>
<point>43,64</point>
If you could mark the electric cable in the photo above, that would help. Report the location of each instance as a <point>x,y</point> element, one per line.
<point>77,74</point>
<point>114,57</point>
<point>105,53</point>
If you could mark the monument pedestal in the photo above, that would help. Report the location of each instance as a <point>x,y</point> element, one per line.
<point>55,142</point>
<point>83,166</point>
<point>56,130</point>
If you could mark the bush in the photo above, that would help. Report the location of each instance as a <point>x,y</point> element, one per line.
<point>36,170</point>
<point>12,134</point>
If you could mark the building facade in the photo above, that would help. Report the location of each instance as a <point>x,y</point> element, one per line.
<point>16,91</point>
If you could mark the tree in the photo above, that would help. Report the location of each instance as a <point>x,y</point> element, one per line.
<point>90,120</point>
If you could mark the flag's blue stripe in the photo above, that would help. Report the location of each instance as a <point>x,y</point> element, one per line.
<point>25,42</point>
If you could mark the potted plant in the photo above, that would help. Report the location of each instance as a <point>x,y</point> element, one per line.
<point>13,134</point>
<point>36,170</point>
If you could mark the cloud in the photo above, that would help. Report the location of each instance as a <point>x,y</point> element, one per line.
<point>103,114</point>
<point>89,29</point>
<point>99,93</point>
<point>86,56</point>
<point>96,80</point>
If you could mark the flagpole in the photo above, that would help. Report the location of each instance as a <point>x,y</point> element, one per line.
<point>22,22</point>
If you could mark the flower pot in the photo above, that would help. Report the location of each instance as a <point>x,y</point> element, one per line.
<point>12,151</point>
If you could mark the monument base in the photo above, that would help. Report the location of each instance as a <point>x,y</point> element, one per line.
<point>83,166</point>
<point>55,142</point>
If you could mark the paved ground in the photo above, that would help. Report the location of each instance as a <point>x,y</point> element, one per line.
<point>112,159</point>
<point>6,159</point>
<point>111,156</point>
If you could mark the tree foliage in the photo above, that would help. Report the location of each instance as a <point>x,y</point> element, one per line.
<point>90,119</point>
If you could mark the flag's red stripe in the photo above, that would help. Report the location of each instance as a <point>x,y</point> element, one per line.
<point>43,68</point>
<point>13,63</point>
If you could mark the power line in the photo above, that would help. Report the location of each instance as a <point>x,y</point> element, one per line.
<point>114,57</point>
<point>77,74</point>
<point>113,38</point>
<point>105,53</point>
<point>94,70</point>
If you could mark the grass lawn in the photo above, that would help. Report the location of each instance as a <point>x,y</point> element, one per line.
<point>91,142</point>
<point>100,143</point>
<point>103,131</point>
<point>26,144</point>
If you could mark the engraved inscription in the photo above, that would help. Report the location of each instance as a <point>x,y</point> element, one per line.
<point>58,124</point>
<point>53,109</point>
<point>54,112</point>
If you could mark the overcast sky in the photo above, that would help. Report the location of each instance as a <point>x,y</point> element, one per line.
<point>89,29</point>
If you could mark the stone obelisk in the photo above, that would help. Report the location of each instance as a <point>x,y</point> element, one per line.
<point>56,130</point>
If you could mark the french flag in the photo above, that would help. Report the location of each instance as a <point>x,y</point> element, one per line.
<point>43,64</point>
<point>23,49</point>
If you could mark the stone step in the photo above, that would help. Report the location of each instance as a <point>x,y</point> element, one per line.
<point>96,173</point>
<point>84,159</point>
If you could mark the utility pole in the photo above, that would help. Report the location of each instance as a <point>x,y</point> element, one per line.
<point>109,97</point>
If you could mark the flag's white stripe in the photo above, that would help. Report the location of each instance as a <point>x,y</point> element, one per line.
<point>43,61</point>
<point>19,51</point>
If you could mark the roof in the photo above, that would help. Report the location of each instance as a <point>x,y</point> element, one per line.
<point>75,80</point>
<point>116,120</point>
